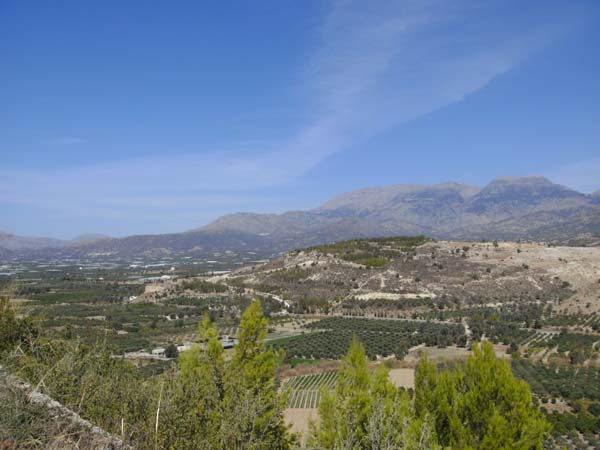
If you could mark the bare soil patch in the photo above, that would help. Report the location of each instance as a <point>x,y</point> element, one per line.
<point>298,420</point>
<point>310,369</point>
<point>438,354</point>
<point>403,378</point>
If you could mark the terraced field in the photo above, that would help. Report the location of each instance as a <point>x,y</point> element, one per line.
<point>593,320</point>
<point>539,338</point>
<point>305,389</point>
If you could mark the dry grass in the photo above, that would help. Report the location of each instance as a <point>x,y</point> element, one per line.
<point>310,369</point>
<point>27,423</point>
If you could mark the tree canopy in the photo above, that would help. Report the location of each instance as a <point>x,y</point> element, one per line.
<point>479,405</point>
<point>227,404</point>
<point>367,411</point>
<point>476,405</point>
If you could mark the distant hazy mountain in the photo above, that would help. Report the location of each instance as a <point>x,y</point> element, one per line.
<point>13,242</point>
<point>404,208</point>
<point>90,237</point>
<point>446,208</point>
<point>10,241</point>
<point>507,208</point>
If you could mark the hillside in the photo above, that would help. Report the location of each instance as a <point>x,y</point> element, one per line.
<point>404,275</point>
<point>37,421</point>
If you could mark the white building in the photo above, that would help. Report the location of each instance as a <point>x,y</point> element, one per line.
<point>160,351</point>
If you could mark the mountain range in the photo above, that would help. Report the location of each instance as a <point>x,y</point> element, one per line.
<point>508,208</point>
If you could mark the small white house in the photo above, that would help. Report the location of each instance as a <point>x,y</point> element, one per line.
<point>160,351</point>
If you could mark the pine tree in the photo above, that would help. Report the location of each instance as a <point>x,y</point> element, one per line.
<point>253,409</point>
<point>219,404</point>
<point>366,411</point>
<point>480,405</point>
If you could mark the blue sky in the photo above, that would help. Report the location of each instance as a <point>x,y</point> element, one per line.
<point>149,117</point>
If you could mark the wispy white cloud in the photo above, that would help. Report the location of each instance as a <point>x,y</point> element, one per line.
<point>378,64</point>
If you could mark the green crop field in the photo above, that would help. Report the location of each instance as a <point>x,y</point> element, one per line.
<point>384,338</point>
<point>567,382</point>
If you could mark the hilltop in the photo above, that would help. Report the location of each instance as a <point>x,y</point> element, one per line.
<point>398,276</point>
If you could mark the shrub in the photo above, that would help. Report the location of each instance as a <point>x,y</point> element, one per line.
<point>171,351</point>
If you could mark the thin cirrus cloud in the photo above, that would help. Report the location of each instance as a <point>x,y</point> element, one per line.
<point>378,64</point>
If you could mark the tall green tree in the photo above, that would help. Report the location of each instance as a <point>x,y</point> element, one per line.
<point>253,417</point>
<point>480,405</point>
<point>227,403</point>
<point>366,411</point>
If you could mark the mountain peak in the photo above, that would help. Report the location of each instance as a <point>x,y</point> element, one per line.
<point>380,197</point>
<point>529,185</point>
<point>509,207</point>
<point>532,180</point>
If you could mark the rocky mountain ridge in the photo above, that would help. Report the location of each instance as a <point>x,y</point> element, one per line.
<point>509,208</point>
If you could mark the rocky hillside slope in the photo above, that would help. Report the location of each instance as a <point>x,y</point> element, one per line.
<point>407,274</point>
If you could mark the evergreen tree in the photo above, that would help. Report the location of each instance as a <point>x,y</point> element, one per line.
<point>366,411</point>
<point>253,409</point>
<point>219,404</point>
<point>480,405</point>
<point>171,351</point>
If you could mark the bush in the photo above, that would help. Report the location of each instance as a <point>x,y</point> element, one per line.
<point>594,408</point>
<point>171,351</point>
<point>512,348</point>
